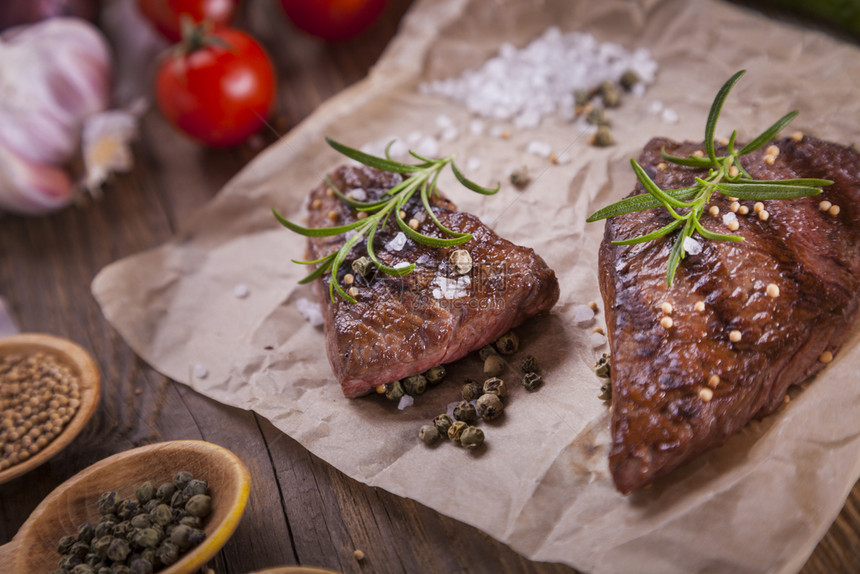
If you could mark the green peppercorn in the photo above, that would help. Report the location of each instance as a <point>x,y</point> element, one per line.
<point>394,391</point>
<point>140,566</point>
<point>65,544</point>
<point>464,411</point>
<point>508,343</point>
<point>456,430</point>
<point>141,521</point>
<point>165,492</point>
<point>199,505</point>
<point>606,391</point>
<point>602,368</point>
<point>490,407</point>
<point>494,366</point>
<point>595,116</point>
<point>528,365</point>
<point>153,502</point>
<point>91,559</point>
<point>108,503</point>
<point>145,492</point>
<point>145,538</point>
<point>442,423</point>
<point>101,546</point>
<point>532,381</point>
<point>472,437</point>
<point>162,515</point>
<point>196,536</point>
<point>191,521</point>
<point>428,434</point>
<point>629,79</point>
<point>119,569</point>
<point>69,561</point>
<point>167,553</point>
<point>118,550</point>
<point>60,571</point>
<point>436,375</point>
<point>103,570</point>
<point>609,94</point>
<point>415,385</point>
<point>520,178</point>
<point>127,508</point>
<point>602,137</point>
<point>178,500</point>
<point>180,536</point>
<point>83,569</point>
<point>485,352</point>
<point>104,528</point>
<point>195,487</point>
<point>581,97</point>
<point>496,386</point>
<point>181,478</point>
<point>85,532</point>
<point>80,549</point>
<point>122,529</point>
<point>362,266</point>
<point>472,390</point>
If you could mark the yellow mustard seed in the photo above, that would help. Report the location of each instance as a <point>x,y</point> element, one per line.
<point>834,210</point>
<point>743,210</point>
<point>353,292</point>
<point>733,171</point>
<point>772,150</point>
<point>733,225</point>
<point>735,206</point>
<point>666,307</point>
<point>714,210</point>
<point>763,215</point>
<point>826,357</point>
<point>349,278</point>
<point>714,381</point>
<point>797,136</point>
<point>662,166</point>
<point>773,290</point>
<point>332,215</point>
<point>316,204</point>
<point>413,223</point>
<point>698,153</point>
<point>706,394</point>
<point>735,336</point>
<point>769,159</point>
<point>699,306</point>
<point>824,205</point>
<point>758,207</point>
<point>666,322</point>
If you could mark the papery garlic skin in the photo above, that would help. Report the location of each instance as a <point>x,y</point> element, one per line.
<point>31,189</point>
<point>53,74</point>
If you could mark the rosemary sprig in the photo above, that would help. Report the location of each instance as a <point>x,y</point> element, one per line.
<point>421,178</point>
<point>688,204</point>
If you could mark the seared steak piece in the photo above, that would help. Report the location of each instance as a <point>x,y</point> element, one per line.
<point>401,326</point>
<point>680,391</point>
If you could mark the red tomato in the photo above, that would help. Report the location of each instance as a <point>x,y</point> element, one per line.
<point>165,14</point>
<point>218,94</point>
<point>333,20</point>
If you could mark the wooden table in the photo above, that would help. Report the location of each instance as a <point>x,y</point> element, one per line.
<point>301,510</point>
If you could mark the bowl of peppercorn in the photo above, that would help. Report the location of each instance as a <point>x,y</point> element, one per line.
<point>49,389</point>
<point>167,507</point>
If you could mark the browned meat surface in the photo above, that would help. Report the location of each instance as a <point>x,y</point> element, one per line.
<point>661,415</point>
<point>401,326</point>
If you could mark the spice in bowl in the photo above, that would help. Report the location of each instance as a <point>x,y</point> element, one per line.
<point>38,397</point>
<point>141,534</point>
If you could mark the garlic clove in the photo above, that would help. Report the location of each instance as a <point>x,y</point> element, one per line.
<point>106,143</point>
<point>53,75</point>
<point>31,189</point>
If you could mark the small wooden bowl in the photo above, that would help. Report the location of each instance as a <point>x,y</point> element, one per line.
<point>82,364</point>
<point>294,570</point>
<point>34,547</point>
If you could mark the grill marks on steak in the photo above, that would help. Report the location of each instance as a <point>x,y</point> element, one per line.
<point>659,420</point>
<point>400,326</point>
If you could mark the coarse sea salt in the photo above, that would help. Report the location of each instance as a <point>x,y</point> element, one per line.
<point>539,148</point>
<point>311,311</point>
<point>200,371</point>
<point>597,340</point>
<point>449,288</point>
<point>582,313</point>
<point>405,401</point>
<point>397,242</point>
<point>524,85</point>
<point>729,217</point>
<point>357,194</point>
<point>241,291</point>
<point>692,246</point>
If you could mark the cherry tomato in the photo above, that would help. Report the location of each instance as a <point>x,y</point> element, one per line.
<point>219,92</point>
<point>333,20</point>
<point>165,14</point>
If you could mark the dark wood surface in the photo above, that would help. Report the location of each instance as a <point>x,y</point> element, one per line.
<point>301,510</point>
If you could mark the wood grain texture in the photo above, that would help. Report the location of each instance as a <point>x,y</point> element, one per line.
<point>300,510</point>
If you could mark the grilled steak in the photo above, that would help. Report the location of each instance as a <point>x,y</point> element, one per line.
<point>668,404</point>
<point>401,326</point>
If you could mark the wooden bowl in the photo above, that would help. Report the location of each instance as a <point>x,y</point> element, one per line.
<point>82,364</point>
<point>34,547</point>
<point>294,570</point>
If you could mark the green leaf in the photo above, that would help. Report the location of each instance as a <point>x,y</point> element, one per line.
<point>714,114</point>
<point>469,184</point>
<point>639,203</point>
<point>372,160</point>
<point>769,134</point>
<point>395,271</point>
<point>426,160</point>
<point>808,181</point>
<point>707,234</point>
<point>689,161</point>
<point>319,271</point>
<point>677,253</point>
<point>655,190</point>
<point>353,203</point>
<point>762,192</point>
<point>653,235</point>
<point>426,239</point>
<point>316,231</point>
<point>425,199</point>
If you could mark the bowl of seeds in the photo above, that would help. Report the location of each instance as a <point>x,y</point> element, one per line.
<point>167,507</point>
<point>49,390</point>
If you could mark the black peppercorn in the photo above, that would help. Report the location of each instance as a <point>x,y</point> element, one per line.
<point>108,502</point>
<point>464,411</point>
<point>65,544</point>
<point>145,492</point>
<point>181,478</point>
<point>165,492</point>
<point>195,487</point>
<point>199,505</point>
<point>167,553</point>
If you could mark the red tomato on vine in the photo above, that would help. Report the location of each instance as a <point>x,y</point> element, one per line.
<point>333,20</point>
<point>217,87</point>
<point>165,15</point>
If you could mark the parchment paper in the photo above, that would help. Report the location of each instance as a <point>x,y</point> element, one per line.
<point>760,503</point>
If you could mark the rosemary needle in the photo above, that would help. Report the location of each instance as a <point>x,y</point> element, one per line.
<point>420,177</point>
<point>687,205</point>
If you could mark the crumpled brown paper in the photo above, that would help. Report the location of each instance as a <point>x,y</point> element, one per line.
<point>780,482</point>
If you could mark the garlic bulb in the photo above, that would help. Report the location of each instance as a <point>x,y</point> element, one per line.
<point>52,75</point>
